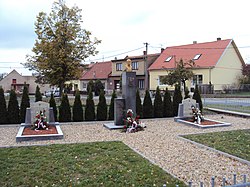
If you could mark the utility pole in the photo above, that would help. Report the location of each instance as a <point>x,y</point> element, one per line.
<point>146,66</point>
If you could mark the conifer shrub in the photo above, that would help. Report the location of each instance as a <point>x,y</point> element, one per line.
<point>167,104</point>
<point>112,106</point>
<point>138,104</point>
<point>64,109</point>
<point>177,99</point>
<point>186,92</point>
<point>77,108</point>
<point>148,111</point>
<point>38,95</point>
<point>98,86</point>
<point>90,108</point>
<point>90,86</point>
<point>102,108</point>
<point>25,103</point>
<point>158,105</point>
<point>3,108</point>
<point>52,103</point>
<point>197,97</point>
<point>13,109</point>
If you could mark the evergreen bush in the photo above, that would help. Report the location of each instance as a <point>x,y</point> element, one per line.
<point>64,109</point>
<point>3,108</point>
<point>13,109</point>
<point>197,97</point>
<point>158,105</point>
<point>167,104</point>
<point>138,104</point>
<point>25,103</point>
<point>90,108</point>
<point>98,87</point>
<point>38,95</point>
<point>177,99</point>
<point>186,92</point>
<point>90,86</point>
<point>148,111</point>
<point>52,103</point>
<point>112,106</point>
<point>102,108</point>
<point>77,108</point>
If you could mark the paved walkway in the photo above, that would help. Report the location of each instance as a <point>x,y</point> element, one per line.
<point>159,143</point>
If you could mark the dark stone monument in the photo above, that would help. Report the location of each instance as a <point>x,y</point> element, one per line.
<point>128,100</point>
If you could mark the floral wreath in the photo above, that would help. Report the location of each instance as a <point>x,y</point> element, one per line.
<point>132,124</point>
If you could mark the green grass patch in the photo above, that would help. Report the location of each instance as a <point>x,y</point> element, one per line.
<point>90,164</point>
<point>236,142</point>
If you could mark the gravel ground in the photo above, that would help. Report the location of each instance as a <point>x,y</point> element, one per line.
<point>159,143</point>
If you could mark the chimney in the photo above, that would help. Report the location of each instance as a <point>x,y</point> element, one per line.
<point>162,49</point>
<point>218,39</point>
<point>194,42</point>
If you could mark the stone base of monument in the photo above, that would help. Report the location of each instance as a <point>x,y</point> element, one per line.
<point>112,126</point>
<point>55,135</point>
<point>207,123</point>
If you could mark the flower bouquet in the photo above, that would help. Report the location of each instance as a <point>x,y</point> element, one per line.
<point>40,121</point>
<point>132,124</point>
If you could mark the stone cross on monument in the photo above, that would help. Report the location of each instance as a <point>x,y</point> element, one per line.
<point>128,100</point>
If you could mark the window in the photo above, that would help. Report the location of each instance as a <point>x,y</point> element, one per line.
<point>141,83</point>
<point>168,59</point>
<point>134,65</point>
<point>13,81</point>
<point>160,83</point>
<point>197,79</point>
<point>119,67</point>
<point>196,57</point>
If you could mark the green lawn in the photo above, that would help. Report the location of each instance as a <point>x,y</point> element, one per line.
<point>236,143</point>
<point>90,164</point>
<point>236,108</point>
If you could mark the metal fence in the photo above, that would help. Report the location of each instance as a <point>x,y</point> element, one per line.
<point>232,104</point>
<point>243,184</point>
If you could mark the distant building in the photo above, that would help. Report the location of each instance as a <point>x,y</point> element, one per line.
<point>217,63</point>
<point>97,71</point>
<point>16,81</point>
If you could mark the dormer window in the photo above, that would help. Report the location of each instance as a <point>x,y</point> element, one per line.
<point>196,57</point>
<point>168,59</point>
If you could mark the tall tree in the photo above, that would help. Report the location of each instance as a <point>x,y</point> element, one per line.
<point>112,106</point>
<point>77,108</point>
<point>167,104</point>
<point>90,108</point>
<point>38,95</point>
<point>61,45</point>
<point>158,105</point>
<point>64,109</point>
<point>197,97</point>
<point>52,103</point>
<point>102,110</point>
<point>13,109</point>
<point>3,108</point>
<point>148,111</point>
<point>180,74</point>
<point>25,103</point>
<point>177,99</point>
<point>138,104</point>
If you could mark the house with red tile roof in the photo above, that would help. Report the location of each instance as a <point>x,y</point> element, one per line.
<point>140,64</point>
<point>98,70</point>
<point>217,63</point>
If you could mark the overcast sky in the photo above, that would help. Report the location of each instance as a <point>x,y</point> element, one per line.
<point>126,25</point>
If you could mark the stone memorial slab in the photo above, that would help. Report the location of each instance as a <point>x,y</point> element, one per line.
<point>37,107</point>
<point>187,104</point>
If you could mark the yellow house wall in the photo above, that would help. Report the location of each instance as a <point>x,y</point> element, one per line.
<point>227,70</point>
<point>140,70</point>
